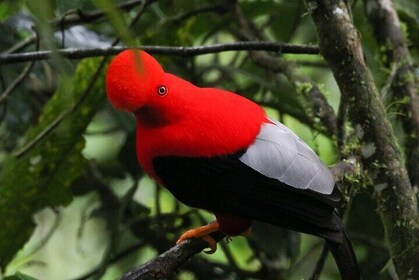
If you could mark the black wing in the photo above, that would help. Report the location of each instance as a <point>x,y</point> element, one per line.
<point>226,185</point>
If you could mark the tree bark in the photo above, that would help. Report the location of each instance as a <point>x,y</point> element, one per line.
<point>165,265</point>
<point>387,30</point>
<point>340,44</point>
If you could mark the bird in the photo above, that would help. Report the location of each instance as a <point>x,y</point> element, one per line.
<point>219,151</point>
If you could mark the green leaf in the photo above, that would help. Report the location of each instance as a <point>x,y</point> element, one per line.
<point>20,276</point>
<point>42,176</point>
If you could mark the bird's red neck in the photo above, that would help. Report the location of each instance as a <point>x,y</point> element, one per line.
<point>150,117</point>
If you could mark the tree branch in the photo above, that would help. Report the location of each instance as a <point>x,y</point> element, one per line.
<point>316,101</point>
<point>164,265</point>
<point>340,44</point>
<point>387,30</point>
<point>163,50</point>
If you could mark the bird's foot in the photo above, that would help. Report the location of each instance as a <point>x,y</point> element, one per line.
<point>202,233</point>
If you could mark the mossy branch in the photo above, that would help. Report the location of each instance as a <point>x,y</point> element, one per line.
<point>340,44</point>
<point>387,30</point>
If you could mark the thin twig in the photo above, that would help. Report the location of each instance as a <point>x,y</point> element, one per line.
<point>229,256</point>
<point>22,44</point>
<point>218,9</point>
<point>16,82</point>
<point>320,263</point>
<point>75,17</point>
<point>60,117</point>
<point>306,257</point>
<point>72,53</point>
<point>20,78</point>
<point>368,240</point>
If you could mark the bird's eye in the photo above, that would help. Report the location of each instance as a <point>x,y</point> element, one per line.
<point>162,90</point>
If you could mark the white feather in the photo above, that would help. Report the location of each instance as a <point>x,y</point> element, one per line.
<point>280,154</point>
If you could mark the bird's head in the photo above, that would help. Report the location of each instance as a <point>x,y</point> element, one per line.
<point>133,80</point>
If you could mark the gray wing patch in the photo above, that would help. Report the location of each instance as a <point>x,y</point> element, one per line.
<point>280,154</point>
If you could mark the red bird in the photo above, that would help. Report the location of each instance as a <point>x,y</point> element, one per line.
<point>218,151</point>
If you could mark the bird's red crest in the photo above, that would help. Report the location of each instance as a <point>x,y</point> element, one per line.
<point>129,77</point>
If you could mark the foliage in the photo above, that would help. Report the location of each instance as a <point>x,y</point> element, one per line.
<point>41,177</point>
<point>64,148</point>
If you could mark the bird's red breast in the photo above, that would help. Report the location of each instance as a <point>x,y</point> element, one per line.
<point>208,123</point>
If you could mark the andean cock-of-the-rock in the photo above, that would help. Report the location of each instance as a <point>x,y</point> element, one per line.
<point>218,151</point>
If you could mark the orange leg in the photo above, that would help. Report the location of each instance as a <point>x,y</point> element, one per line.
<point>203,233</point>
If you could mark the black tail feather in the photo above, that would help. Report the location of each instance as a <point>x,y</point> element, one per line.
<point>341,248</point>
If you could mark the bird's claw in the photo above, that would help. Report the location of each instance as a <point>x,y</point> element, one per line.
<point>212,244</point>
<point>202,233</point>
